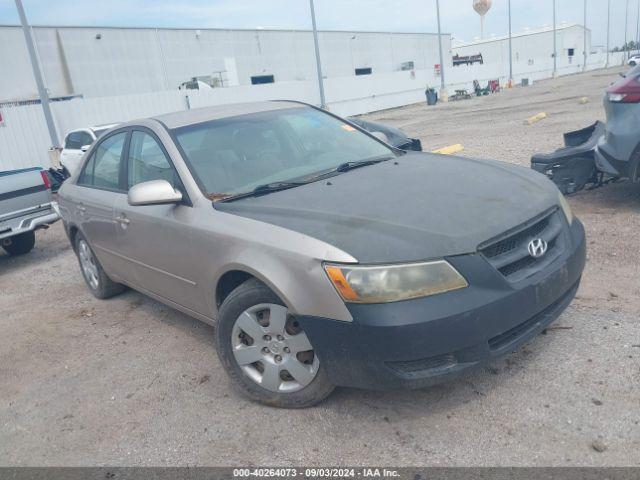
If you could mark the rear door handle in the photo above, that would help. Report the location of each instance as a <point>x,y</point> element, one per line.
<point>123,221</point>
<point>81,209</point>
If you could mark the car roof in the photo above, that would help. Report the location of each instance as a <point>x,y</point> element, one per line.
<point>104,126</point>
<point>205,114</point>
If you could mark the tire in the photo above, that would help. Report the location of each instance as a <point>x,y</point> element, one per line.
<point>632,64</point>
<point>100,285</point>
<point>253,307</point>
<point>19,244</point>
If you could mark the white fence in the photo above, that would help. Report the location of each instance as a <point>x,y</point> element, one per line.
<point>24,140</point>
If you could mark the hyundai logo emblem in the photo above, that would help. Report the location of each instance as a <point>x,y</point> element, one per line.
<point>537,247</point>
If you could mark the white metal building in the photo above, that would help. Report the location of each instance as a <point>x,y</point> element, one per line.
<point>103,61</point>
<point>532,49</point>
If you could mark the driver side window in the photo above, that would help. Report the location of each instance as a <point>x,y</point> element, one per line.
<point>147,161</point>
<point>103,168</point>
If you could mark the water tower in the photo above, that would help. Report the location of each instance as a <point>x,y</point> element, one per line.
<point>481,7</point>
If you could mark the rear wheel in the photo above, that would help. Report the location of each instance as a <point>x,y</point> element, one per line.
<point>266,352</point>
<point>94,276</point>
<point>632,63</point>
<point>19,244</point>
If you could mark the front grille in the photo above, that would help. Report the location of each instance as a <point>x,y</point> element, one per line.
<point>509,254</point>
<point>512,242</point>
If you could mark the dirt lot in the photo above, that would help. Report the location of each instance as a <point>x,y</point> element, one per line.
<point>131,382</point>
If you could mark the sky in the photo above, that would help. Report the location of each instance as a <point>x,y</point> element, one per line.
<point>458,16</point>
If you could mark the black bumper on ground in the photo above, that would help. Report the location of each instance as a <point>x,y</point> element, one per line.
<point>421,342</point>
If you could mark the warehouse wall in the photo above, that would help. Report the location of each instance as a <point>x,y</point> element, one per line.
<point>130,60</point>
<point>533,50</point>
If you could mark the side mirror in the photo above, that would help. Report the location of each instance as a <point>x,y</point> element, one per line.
<point>84,148</point>
<point>381,136</point>
<point>154,192</point>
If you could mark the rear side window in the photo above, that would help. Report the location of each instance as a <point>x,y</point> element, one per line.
<point>77,140</point>
<point>103,168</point>
<point>147,161</point>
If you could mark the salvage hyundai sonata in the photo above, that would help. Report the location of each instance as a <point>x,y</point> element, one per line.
<point>323,256</point>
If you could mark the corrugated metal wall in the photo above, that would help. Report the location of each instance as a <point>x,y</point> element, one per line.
<point>93,61</point>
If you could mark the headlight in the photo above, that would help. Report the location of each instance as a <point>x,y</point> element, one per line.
<point>392,283</point>
<point>566,208</point>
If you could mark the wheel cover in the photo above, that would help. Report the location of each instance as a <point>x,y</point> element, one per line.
<point>88,264</point>
<point>272,350</point>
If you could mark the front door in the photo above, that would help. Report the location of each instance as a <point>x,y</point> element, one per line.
<point>156,238</point>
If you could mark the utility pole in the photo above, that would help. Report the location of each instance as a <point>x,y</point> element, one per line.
<point>584,47</point>
<point>511,50</point>
<point>443,93</point>
<point>638,29</point>
<point>555,43</point>
<point>42,91</point>
<point>626,28</point>
<point>608,30</point>
<point>323,103</point>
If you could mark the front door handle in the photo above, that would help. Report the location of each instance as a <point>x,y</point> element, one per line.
<point>124,221</point>
<point>81,209</point>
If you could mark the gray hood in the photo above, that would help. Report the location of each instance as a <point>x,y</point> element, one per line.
<point>419,207</point>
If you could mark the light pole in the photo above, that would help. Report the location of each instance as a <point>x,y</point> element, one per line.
<point>443,93</point>
<point>510,50</point>
<point>608,30</point>
<point>555,43</point>
<point>584,46</point>
<point>42,91</point>
<point>626,28</point>
<point>323,103</point>
<point>638,28</point>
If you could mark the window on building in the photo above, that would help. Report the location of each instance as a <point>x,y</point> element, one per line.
<point>363,71</point>
<point>260,79</point>
<point>404,66</point>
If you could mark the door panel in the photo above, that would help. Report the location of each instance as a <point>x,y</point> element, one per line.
<point>96,211</point>
<point>156,242</point>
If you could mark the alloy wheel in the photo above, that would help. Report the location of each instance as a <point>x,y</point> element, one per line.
<point>88,264</point>
<point>272,349</point>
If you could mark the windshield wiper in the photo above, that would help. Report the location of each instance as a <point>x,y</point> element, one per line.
<point>264,189</point>
<point>346,166</point>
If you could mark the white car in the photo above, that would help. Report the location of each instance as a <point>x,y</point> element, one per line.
<point>76,142</point>
<point>634,60</point>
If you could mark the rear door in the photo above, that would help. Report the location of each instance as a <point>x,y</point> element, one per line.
<point>100,186</point>
<point>156,239</point>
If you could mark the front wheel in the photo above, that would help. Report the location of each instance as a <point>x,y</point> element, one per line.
<point>266,352</point>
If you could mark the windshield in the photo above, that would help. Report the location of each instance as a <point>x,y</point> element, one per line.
<point>235,155</point>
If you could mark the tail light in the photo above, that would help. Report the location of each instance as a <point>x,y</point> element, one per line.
<point>626,90</point>
<point>45,179</point>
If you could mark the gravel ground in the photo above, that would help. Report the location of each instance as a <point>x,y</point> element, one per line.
<point>132,382</point>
